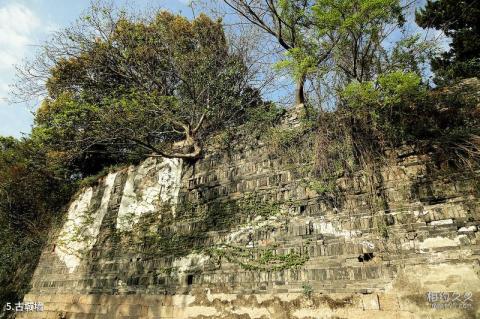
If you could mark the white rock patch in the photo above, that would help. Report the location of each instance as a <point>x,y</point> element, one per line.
<point>327,228</point>
<point>467,229</point>
<point>80,231</point>
<point>189,262</point>
<point>439,241</point>
<point>442,222</point>
<point>147,186</point>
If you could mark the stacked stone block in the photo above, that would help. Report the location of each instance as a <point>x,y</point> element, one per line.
<point>361,259</point>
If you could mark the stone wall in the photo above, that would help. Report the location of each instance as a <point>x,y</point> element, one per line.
<point>244,235</point>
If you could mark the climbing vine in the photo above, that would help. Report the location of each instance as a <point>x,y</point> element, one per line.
<point>259,259</point>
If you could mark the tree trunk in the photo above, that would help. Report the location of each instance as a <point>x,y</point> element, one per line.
<point>189,147</point>
<point>299,92</point>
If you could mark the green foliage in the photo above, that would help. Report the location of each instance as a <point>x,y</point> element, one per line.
<point>411,54</point>
<point>268,116</point>
<point>281,262</point>
<point>33,188</point>
<point>325,186</point>
<point>18,261</point>
<point>258,121</point>
<point>397,108</point>
<point>389,90</point>
<point>254,206</point>
<point>344,41</point>
<point>365,16</point>
<point>259,259</point>
<point>357,31</point>
<point>360,95</point>
<point>299,62</point>
<point>397,87</point>
<point>460,21</point>
<point>307,290</point>
<point>380,107</point>
<point>157,86</point>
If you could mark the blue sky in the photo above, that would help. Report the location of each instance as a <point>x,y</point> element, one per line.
<point>24,24</point>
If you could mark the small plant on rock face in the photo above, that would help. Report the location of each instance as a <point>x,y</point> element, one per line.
<point>382,228</point>
<point>255,259</point>
<point>307,290</point>
<point>255,206</point>
<point>322,186</point>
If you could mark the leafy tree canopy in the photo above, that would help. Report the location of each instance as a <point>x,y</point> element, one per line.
<point>339,41</point>
<point>358,29</point>
<point>136,87</point>
<point>289,22</point>
<point>459,20</point>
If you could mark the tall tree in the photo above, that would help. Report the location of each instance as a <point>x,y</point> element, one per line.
<point>330,40</point>
<point>287,21</point>
<point>459,20</point>
<point>359,29</point>
<point>157,86</point>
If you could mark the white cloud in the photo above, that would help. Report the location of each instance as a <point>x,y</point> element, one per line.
<point>18,24</point>
<point>20,27</point>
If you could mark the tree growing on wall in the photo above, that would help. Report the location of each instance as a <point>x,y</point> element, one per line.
<point>334,42</point>
<point>289,23</point>
<point>155,86</point>
<point>359,29</point>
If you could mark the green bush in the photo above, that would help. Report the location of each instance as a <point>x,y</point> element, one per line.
<point>307,290</point>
